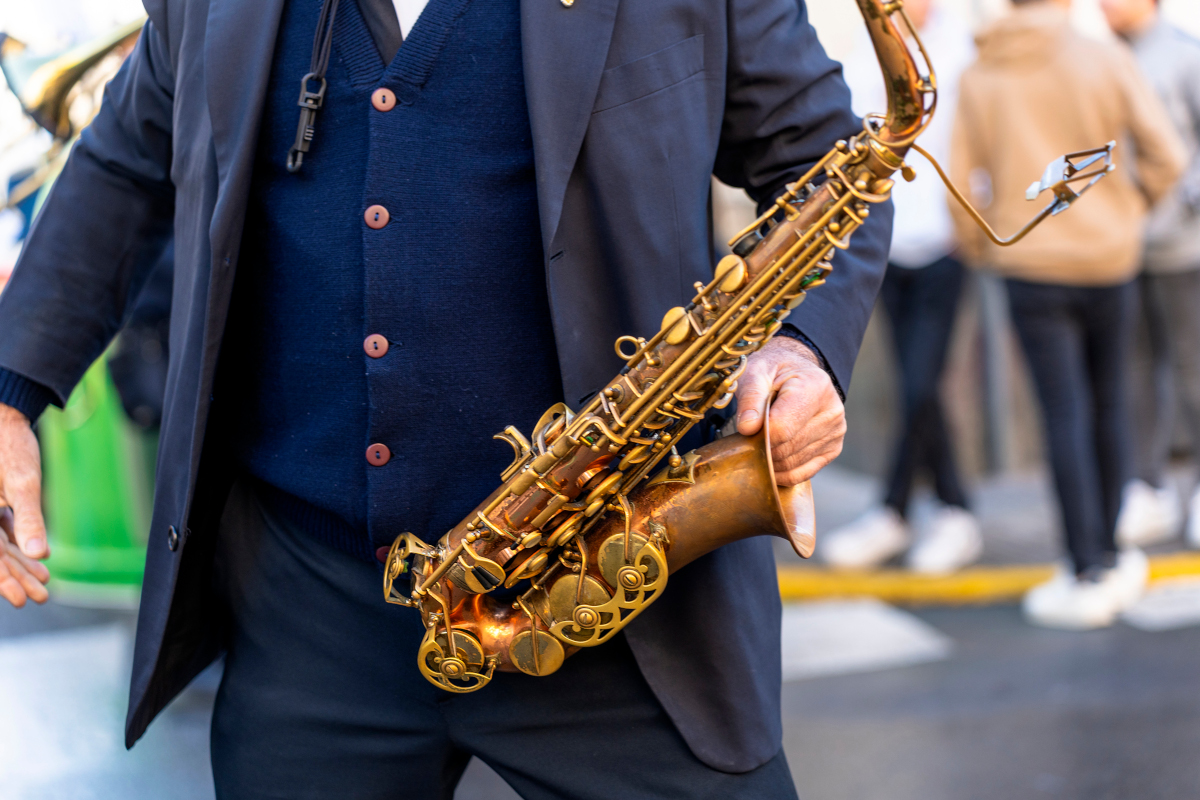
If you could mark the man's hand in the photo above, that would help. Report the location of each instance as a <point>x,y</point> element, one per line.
<point>808,420</point>
<point>22,530</point>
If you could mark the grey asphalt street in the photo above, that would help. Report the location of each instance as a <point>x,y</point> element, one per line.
<point>1011,712</point>
<point>1016,712</point>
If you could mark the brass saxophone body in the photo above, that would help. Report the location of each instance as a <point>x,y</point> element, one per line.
<point>598,508</point>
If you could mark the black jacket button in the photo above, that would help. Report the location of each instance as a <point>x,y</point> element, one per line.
<point>172,538</point>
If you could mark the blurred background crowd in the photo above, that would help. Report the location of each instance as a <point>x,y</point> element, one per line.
<point>1011,406</point>
<point>1070,362</point>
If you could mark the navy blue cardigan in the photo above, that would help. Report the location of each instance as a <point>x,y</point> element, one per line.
<point>453,281</point>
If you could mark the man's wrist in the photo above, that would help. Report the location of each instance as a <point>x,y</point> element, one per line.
<point>21,394</point>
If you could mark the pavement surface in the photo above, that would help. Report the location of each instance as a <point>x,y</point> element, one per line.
<point>880,703</point>
<point>883,703</point>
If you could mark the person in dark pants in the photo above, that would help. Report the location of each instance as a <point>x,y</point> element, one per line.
<point>922,305</point>
<point>1077,343</point>
<point>1040,90</point>
<point>492,194</point>
<point>920,295</point>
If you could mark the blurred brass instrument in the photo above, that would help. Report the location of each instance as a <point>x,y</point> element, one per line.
<point>588,522</point>
<point>62,93</point>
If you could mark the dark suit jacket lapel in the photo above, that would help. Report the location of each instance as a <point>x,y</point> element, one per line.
<point>564,50</point>
<point>238,48</point>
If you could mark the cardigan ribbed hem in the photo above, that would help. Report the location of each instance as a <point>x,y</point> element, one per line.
<point>25,395</point>
<point>324,526</point>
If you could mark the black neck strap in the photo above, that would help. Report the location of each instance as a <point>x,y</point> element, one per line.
<point>310,102</point>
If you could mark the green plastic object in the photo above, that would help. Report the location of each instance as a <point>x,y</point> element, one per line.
<point>98,479</point>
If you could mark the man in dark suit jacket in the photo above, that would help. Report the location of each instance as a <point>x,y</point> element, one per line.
<point>487,204</point>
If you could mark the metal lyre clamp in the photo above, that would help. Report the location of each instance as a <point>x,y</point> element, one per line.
<point>1059,177</point>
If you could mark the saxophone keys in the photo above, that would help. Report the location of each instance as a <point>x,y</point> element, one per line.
<point>552,508</point>
<point>571,592</point>
<point>536,652</point>
<point>531,567</point>
<point>675,325</point>
<point>602,489</point>
<point>731,273</point>
<point>564,532</point>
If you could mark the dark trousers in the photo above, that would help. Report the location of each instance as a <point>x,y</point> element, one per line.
<point>321,697</point>
<point>1076,340</point>
<point>1171,309</point>
<point>921,304</point>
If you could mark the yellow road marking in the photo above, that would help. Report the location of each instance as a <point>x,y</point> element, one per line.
<point>971,586</point>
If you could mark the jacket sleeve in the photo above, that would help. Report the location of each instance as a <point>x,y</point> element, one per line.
<point>785,106</point>
<point>99,232</point>
<point>1159,153</point>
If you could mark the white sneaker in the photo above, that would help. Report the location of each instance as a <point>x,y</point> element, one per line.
<point>1128,578</point>
<point>867,542</point>
<point>1149,515</point>
<point>1193,523</point>
<point>1067,603</point>
<point>952,541</point>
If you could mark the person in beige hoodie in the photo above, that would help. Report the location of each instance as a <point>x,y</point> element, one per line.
<point>1038,90</point>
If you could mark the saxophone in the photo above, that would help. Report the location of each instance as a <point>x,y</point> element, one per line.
<point>598,507</point>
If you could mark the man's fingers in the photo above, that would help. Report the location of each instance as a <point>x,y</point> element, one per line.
<point>10,587</point>
<point>25,497</point>
<point>791,417</point>
<point>754,388</point>
<point>803,466</point>
<point>794,477</point>
<point>34,567</point>
<point>30,585</point>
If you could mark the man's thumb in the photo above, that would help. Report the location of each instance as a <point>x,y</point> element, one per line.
<point>754,388</point>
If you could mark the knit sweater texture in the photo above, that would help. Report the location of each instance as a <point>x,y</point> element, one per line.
<point>455,281</point>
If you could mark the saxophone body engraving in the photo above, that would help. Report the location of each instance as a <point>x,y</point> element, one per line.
<point>598,508</point>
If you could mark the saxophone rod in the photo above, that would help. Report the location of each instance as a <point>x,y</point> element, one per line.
<point>708,348</point>
<point>766,282</point>
<point>779,204</point>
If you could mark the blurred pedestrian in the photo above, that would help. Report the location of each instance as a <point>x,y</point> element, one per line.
<point>1037,91</point>
<point>1170,280</point>
<point>920,294</point>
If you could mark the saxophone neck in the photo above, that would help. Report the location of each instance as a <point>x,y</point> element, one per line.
<point>912,96</point>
